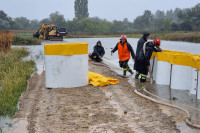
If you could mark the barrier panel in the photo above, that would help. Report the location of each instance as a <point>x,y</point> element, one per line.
<point>66,65</point>
<point>180,70</point>
<point>198,85</point>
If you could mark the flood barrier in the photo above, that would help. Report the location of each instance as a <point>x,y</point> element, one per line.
<point>179,70</point>
<point>66,65</point>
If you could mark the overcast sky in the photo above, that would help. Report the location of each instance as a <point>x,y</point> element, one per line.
<point>108,9</point>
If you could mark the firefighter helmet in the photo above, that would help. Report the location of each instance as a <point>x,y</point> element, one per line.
<point>123,37</point>
<point>157,41</point>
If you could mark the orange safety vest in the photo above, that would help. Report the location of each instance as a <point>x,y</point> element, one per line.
<point>123,52</point>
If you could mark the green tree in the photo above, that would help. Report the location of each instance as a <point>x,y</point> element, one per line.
<point>57,19</point>
<point>87,25</point>
<point>22,23</point>
<point>34,25</point>
<point>174,27</point>
<point>147,17</point>
<point>143,22</point>
<point>81,9</point>
<point>138,23</point>
<point>185,19</point>
<point>195,18</point>
<point>44,21</point>
<point>5,21</point>
<point>117,26</point>
<point>166,25</point>
<point>173,15</point>
<point>158,20</point>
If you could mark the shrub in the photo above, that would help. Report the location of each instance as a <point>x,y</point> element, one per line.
<point>25,40</point>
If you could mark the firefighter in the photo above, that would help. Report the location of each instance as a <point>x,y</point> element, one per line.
<point>145,55</point>
<point>98,52</point>
<point>124,52</point>
<point>140,44</point>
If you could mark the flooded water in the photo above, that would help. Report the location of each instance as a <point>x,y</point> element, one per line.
<point>37,51</point>
<point>182,98</point>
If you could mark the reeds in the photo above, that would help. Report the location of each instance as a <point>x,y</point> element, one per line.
<point>179,36</point>
<point>5,41</point>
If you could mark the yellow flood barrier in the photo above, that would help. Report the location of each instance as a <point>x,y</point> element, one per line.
<point>99,80</point>
<point>66,49</point>
<point>178,58</point>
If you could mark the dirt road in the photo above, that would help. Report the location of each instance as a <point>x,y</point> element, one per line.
<point>89,109</point>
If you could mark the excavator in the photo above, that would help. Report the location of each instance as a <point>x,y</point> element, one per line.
<point>50,32</point>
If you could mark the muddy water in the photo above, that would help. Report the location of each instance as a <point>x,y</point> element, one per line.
<point>8,125</point>
<point>37,54</point>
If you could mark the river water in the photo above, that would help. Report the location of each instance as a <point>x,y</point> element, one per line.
<point>182,97</point>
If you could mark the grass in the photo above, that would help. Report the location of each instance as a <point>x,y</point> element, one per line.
<point>13,79</point>
<point>25,39</point>
<point>175,36</point>
<point>179,36</point>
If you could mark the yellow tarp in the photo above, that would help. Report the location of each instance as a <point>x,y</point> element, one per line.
<point>99,80</point>
<point>66,49</point>
<point>178,58</point>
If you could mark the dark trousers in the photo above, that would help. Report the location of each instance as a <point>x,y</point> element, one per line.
<point>142,68</point>
<point>124,65</point>
<point>136,64</point>
<point>95,57</point>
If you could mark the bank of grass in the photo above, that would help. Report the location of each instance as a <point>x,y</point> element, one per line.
<point>13,79</point>
<point>175,36</point>
<point>25,39</point>
<point>179,36</point>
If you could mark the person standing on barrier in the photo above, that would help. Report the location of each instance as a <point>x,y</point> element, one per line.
<point>98,52</point>
<point>144,57</point>
<point>124,52</point>
<point>140,44</point>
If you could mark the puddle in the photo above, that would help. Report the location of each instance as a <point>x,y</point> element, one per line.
<point>37,54</point>
<point>179,98</point>
<point>8,125</point>
<point>179,119</point>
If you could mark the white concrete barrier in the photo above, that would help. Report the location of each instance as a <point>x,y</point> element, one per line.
<point>198,86</point>
<point>66,65</point>
<point>178,69</point>
<point>194,73</point>
<point>163,73</point>
<point>181,77</point>
<point>153,63</point>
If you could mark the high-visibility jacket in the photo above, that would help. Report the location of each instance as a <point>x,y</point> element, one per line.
<point>123,52</point>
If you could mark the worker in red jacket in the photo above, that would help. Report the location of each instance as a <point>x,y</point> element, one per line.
<point>124,52</point>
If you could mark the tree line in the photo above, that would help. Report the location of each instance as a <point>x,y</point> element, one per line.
<point>172,20</point>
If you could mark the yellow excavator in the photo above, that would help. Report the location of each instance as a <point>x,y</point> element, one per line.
<point>50,32</point>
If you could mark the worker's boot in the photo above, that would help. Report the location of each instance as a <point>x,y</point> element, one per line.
<point>137,75</point>
<point>124,73</point>
<point>143,78</point>
<point>130,71</point>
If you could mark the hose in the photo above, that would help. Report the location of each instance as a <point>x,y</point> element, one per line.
<point>187,119</point>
